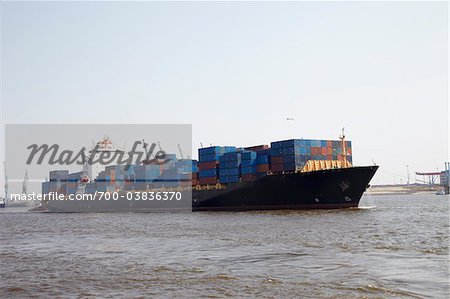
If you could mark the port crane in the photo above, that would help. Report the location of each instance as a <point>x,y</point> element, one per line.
<point>432,177</point>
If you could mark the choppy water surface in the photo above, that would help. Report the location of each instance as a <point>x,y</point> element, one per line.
<point>397,247</point>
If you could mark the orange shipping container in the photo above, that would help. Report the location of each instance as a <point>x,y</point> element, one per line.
<point>277,160</point>
<point>262,168</point>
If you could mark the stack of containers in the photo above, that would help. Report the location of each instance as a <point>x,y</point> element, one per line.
<point>129,176</point>
<point>168,178</point>
<point>208,163</point>
<point>262,162</point>
<point>110,178</point>
<point>119,180</point>
<point>145,174</point>
<point>58,181</point>
<point>101,182</point>
<point>170,159</point>
<point>195,180</point>
<point>91,187</point>
<point>72,182</point>
<point>248,165</point>
<point>286,155</point>
<point>229,167</point>
<point>329,150</point>
<point>184,170</point>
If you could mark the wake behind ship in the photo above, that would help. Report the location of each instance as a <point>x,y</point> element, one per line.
<point>290,174</point>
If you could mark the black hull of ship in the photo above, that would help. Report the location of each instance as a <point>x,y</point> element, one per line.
<point>325,189</point>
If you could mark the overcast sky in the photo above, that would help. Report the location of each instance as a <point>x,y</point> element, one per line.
<point>235,71</point>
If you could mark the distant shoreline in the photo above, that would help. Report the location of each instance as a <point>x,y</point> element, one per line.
<point>402,189</point>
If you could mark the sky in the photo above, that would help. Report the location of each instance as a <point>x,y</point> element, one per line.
<point>237,70</point>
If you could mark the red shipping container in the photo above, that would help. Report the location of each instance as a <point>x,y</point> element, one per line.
<point>262,168</point>
<point>207,165</point>
<point>324,151</point>
<point>277,160</point>
<point>329,151</point>
<point>208,181</point>
<point>329,143</point>
<point>277,167</point>
<point>329,157</point>
<point>256,148</point>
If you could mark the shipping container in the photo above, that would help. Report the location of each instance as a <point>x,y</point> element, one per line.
<point>248,169</point>
<point>277,160</point>
<point>209,158</point>
<point>248,155</point>
<point>59,175</point>
<point>233,178</point>
<point>291,158</point>
<point>257,148</point>
<point>277,167</point>
<point>232,156</point>
<point>262,168</point>
<point>203,173</point>
<point>207,165</point>
<point>208,180</point>
<point>248,163</point>
<point>276,152</point>
<point>263,159</point>
<point>216,150</point>
<point>276,145</point>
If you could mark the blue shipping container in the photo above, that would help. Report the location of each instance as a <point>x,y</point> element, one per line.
<point>248,169</point>
<point>248,155</point>
<point>276,152</point>
<point>233,171</point>
<point>204,173</point>
<point>263,160</point>
<point>249,162</point>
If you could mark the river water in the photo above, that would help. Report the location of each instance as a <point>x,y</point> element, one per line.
<point>393,246</point>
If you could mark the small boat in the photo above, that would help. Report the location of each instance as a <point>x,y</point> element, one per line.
<point>440,192</point>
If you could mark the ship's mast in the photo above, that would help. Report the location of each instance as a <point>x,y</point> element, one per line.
<point>344,149</point>
<point>181,152</point>
<point>25,184</point>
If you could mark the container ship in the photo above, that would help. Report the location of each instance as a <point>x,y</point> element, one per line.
<point>288,174</point>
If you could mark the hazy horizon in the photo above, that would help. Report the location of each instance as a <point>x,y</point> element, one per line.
<point>236,71</point>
